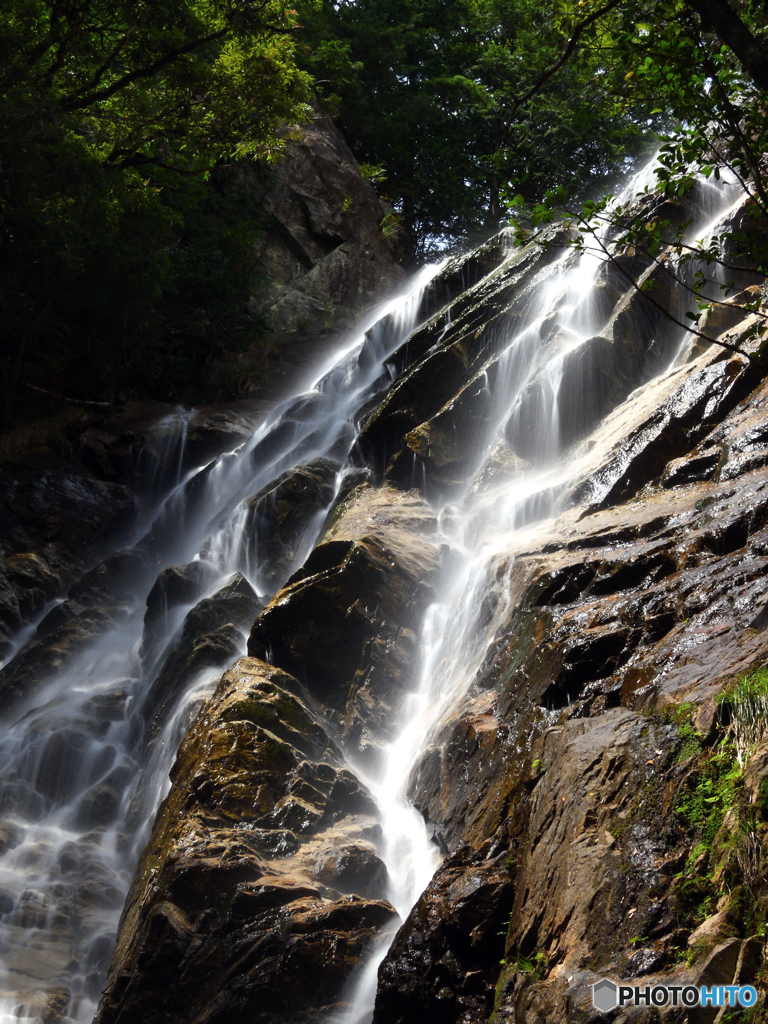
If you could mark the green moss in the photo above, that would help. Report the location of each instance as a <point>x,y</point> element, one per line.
<point>711,806</point>
<point>691,740</point>
<point>533,965</point>
<point>715,790</point>
<point>498,993</point>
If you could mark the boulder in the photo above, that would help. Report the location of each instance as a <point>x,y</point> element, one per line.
<point>245,905</point>
<point>280,514</point>
<point>344,623</point>
<point>54,521</point>
<point>322,254</point>
<point>41,660</point>
<point>211,637</point>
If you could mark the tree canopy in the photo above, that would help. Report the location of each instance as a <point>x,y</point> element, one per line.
<point>113,115</point>
<point>427,89</point>
<point>703,65</point>
<point>126,248</point>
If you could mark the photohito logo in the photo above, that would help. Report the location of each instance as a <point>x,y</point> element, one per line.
<point>607,995</point>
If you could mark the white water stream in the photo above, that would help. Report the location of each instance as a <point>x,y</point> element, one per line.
<point>484,526</point>
<point>77,794</point>
<point>77,797</point>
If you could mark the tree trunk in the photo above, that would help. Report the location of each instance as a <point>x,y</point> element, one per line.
<point>722,19</point>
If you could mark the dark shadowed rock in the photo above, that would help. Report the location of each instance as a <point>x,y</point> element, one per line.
<point>323,253</point>
<point>177,585</point>
<point>110,585</point>
<point>40,661</point>
<point>344,623</point>
<point>211,636</point>
<point>442,966</point>
<point>280,514</point>
<point>53,520</point>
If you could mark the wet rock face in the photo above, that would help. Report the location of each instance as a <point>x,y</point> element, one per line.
<point>145,443</point>
<point>260,888</point>
<point>444,368</point>
<point>563,786</point>
<point>566,772</point>
<point>323,254</point>
<point>280,514</point>
<point>344,623</point>
<point>210,637</point>
<point>52,520</point>
<point>443,964</point>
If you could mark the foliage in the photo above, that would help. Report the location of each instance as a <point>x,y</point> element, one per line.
<point>744,710</point>
<point>688,735</point>
<point>663,60</point>
<point>533,965</point>
<point>125,243</point>
<point>123,248</point>
<point>727,851</point>
<point>716,785</point>
<point>426,90</point>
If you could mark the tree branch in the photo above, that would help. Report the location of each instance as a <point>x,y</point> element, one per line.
<point>658,305</point>
<point>721,17</point>
<point>573,42</point>
<point>100,72</point>
<point>72,103</point>
<point>678,245</point>
<point>74,401</point>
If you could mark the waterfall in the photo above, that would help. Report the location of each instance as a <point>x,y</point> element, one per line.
<point>85,759</point>
<point>485,524</point>
<point>80,780</point>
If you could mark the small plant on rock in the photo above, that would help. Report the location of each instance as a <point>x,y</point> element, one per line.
<point>744,712</point>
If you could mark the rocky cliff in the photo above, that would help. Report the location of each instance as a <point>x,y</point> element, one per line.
<point>595,815</point>
<point>507,566</point>
<point>323,258</point>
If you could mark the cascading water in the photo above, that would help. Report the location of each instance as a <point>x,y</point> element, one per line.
<point>484,526</point>
<point>79,780</point>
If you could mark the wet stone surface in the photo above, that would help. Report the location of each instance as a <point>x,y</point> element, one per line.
<point>259,889</point>
<point>583,718</point>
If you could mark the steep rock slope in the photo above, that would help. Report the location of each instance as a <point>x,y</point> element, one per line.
<point>593,816</point>
<point>261,886</point>
<point>567,775</point>
<point>322,259</point>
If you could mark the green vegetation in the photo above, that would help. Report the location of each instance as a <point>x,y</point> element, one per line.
<point>699,66</point>
<point>427,90</point>
<point>744,709</point>
<point>717,785</point>
<point>127,232</point>
<point>726,861</point>
<point>534,965</point>
<point>125,250</point>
